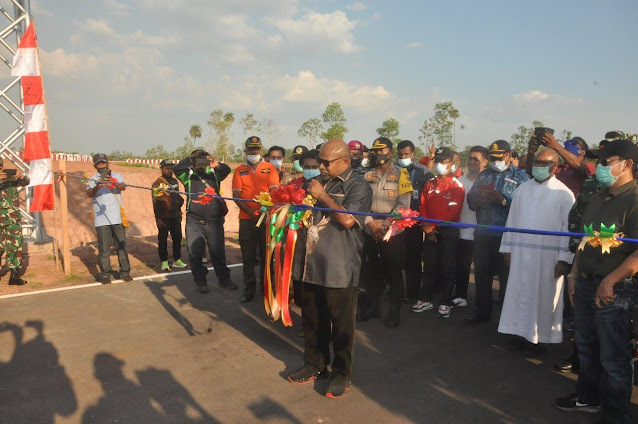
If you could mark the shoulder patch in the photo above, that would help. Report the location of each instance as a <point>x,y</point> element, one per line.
<point>405,185</point>
<point>243,172</point>
<point>370,176</point>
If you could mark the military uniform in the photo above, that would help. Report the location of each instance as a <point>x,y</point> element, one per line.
<point>10,228</point>
<point>385,259</point>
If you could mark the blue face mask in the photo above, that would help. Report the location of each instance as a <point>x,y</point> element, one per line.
<point>572,146</point>
<point>404,163</point>
<point>540,173</point>
<point>603,175</point>
<point>276,163</point>
<point>296,166</point>
<point>309,174</point>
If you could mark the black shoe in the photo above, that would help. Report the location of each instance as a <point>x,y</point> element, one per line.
<point>570,403</point>
<point>229,285</point>
<point>367,316</point>
<point>568,365</point>
<point>390,323</point>
<point>105,279</point>
<point>337,388</point>
<point>246,298</point>
<point>15,280</point>
<point>475,320</point>
<point>537,349</point>
<point>127,278</point>
<point>203,289</point>
<point>307,374</point>
<point>516,343</point>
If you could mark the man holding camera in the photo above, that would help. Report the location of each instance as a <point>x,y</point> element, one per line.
<point>105,189</point>
<point>205,220</point>
<point>10,229</point>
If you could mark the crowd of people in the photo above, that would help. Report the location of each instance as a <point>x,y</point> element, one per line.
<point>345,264</point>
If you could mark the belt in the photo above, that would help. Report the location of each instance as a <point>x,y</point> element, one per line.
<point>592,276</point>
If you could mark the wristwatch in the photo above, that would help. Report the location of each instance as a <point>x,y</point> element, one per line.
<point>504,202</point>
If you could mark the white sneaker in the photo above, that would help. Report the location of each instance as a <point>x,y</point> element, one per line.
<point>459,301</point>
<point>421,306</point>
<point>444,311</point>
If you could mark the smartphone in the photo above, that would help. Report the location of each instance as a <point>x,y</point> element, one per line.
<point>201,162</point>
<point>539,132</point>
<point>10,172</point>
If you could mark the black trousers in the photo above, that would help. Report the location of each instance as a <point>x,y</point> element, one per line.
<point>413,261</point>
<point>173,226</point>
<point>385,261</point>
<point>464,255</point>
<point>198,236</point>
<point>487,262</point>
<point>439,264</point>
<point>107,236</point>
<point>328,314</point>
<point>252,239</point>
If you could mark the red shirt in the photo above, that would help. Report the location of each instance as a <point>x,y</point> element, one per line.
<point>572,178</point>
<point>442,198</point>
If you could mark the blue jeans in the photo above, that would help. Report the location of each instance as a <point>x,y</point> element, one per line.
<point>603,341</point>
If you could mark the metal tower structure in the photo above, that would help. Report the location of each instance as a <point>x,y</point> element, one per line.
<point>12,138</point>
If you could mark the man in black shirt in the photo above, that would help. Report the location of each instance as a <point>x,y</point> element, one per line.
<point>167,208</point>
<point>331,269</point>
<point>603,291</point>
<point>205,221</point>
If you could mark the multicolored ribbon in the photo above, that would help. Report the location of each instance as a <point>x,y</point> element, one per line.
<point>606,238</point>
<point>206,197</point>
<point>401,219</point>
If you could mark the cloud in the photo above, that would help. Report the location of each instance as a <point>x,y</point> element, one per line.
<point>357,7</point>
<point>413,45</point>
<point>319,31</point>
<point>37,10</point>
<point>97,31</point>
<point>116,8</point>
<point>59,63</point>
<point>532,96</point>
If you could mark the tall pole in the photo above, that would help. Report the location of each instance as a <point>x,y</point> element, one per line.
<point>64,207</point>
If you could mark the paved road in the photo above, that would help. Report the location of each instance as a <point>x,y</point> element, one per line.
<point>160,352</point>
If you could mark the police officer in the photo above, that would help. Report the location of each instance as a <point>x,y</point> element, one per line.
<point>392,189</point>
<point>297,167</point>
<point>10,228</point>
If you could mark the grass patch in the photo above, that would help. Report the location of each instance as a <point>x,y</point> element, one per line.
<point>50,258</point>
<point>35,284</point>
<point>72,278</point>
<point>137,165</point>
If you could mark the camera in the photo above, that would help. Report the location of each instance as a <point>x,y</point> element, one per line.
<point>539,132</point>
<point>202,162</point>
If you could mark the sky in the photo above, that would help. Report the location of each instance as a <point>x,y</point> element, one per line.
<point>129,75</point>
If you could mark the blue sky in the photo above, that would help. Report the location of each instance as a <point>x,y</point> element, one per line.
<point>127,75</point>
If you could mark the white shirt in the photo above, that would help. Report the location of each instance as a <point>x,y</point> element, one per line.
<point>468,216</point>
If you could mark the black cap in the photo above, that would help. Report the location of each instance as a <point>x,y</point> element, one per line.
<point>381,143</point>
<point>99,157</point>
<point>515,155</point>
<point>298,151</point>
<point>623,148</point>
<point>309,154</point>
<point>443,153</point>
<point>319,146</point>
<point>166,162</point>
<point>499,148</point>
<point>253,142</point>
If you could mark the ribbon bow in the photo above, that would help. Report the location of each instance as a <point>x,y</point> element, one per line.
<point>401,219</point>
<point>206,197</point>
<point>160,190</point>
<point>607,238</point>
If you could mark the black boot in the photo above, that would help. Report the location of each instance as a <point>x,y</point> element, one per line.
<point>15,279</point>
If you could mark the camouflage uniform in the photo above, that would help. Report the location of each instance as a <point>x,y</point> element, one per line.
<point>10,228</point>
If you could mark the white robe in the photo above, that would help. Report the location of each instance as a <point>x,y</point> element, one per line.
<point>533,305</point>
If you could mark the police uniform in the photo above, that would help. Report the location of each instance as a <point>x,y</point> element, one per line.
<point>10,228</point>
<point>391,190</point>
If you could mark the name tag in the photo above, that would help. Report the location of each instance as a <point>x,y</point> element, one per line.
<point>392,176</point>
<point>265,171</point>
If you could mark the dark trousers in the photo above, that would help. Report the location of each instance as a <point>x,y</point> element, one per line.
<point>603,341</point>
<point>487,262</point>
<point>251,240</point>
<point>297,289</point>
<point>173,226</point>
<point>413,258</point>
<point>107,236</point>
<point>464,254</point>
<point>439,264</point>
<point>198,236</point>
<point>329,314</point>
<point>385,262</point>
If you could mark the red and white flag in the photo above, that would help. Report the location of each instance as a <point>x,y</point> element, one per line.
<point>37,149</point>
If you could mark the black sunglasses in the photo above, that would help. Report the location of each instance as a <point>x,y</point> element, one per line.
<point>326,163</point>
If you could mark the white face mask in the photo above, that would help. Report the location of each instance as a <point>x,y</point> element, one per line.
<point>276,162</point>
<point>441,169</point>
<point>365,162</point>
<point>253,158</point>
<point>499,165</point>
<point>453,169</point>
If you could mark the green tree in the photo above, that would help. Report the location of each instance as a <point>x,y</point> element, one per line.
<point>250,125</point>
<point>454,114</point>
<point>311,130</point>
<point>335,119</point>
<point>120,155</point>
<point>185,149</point>
<point>270,128</point>
<point>390,129</point>
<point>221,123</point>
<point>157,152</point>
<point>195,132</point>
<point>565,135</point>
<point>520,139</point>
<point>437,130</point>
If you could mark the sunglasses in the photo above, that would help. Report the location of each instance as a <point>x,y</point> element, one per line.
<point>605,161</point>
<point>326,163</point>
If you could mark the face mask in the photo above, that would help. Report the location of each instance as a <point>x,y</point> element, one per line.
<point>404,163</point>
<point>355,163</point>
<point>365,162</point>
<point>603,175</point>
<point>453,169</point>
<point>441,169</point>
<point>572,146</point>
<point>104,172</point>
<point>381,159</point>
<point>296,166</point>
<point>277,163</point>
<point>540,173</point>
<point>499,165</point>
<point>309,174</point>
<point>253,158</point>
